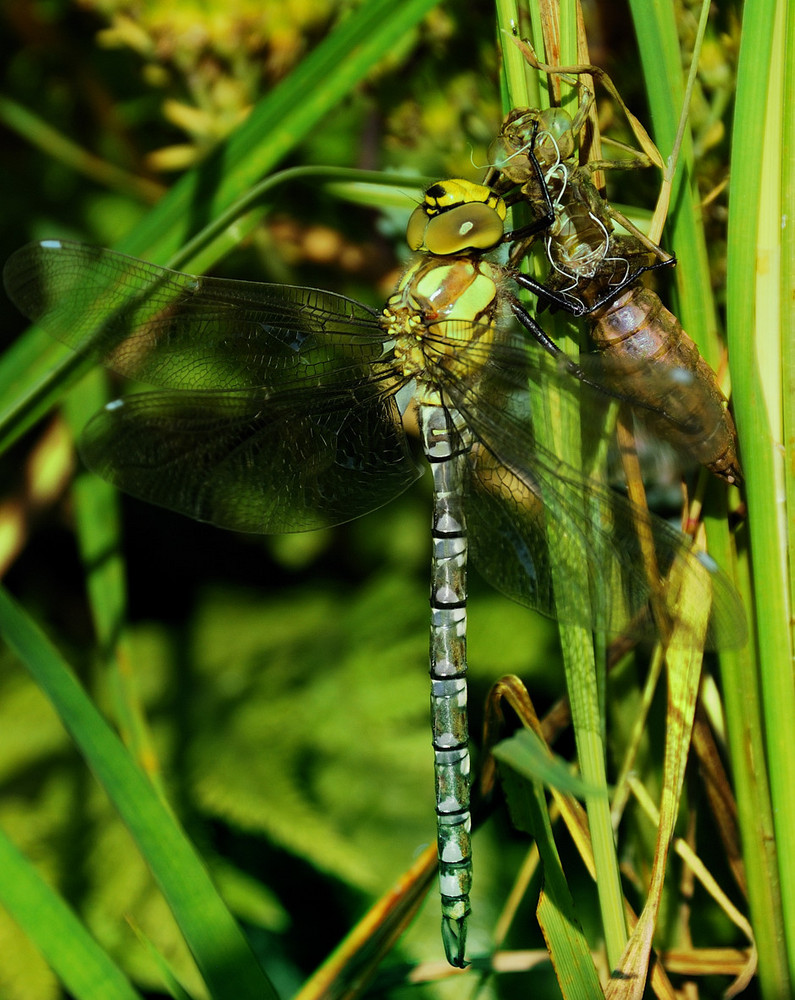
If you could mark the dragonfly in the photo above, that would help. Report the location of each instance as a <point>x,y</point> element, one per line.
<point>281,408</point>
<point>600,271</point>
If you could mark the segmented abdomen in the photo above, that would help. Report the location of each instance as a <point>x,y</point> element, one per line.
<point>637,329</point>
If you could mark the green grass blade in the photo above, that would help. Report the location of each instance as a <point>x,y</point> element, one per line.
<point>568,947</point>
<point>530,757</point>
<point>217,943</point>
<point>73,955</point>
<point>758,343</point>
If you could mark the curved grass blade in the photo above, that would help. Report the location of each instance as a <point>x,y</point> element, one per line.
<point>568,947</point>
<point>74,956</point>
<point>221,951</point>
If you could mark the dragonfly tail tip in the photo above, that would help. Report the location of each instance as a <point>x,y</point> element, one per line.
<point>454,936</point>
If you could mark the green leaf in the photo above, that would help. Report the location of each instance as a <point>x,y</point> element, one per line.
<point>76,958</point>
<point>531,758</point>
<point>568,947</point>
<point>218,945</point>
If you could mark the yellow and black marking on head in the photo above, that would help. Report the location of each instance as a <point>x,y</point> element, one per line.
<point>457,216</point>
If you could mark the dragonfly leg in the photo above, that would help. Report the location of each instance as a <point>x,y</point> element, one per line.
<point>631,278</point>
<point>545,220</point>
<point>550,295</point>
<point>550,346</point>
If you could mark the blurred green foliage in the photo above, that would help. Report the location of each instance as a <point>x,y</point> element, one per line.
<point>284,680</point>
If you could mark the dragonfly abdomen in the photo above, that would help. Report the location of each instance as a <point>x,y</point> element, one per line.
<point>649,347</point>
<point>445,443</point>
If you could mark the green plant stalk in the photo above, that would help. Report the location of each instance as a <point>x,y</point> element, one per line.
<point>519,89</point>
<point>577,643</point>
<point>757,342</point>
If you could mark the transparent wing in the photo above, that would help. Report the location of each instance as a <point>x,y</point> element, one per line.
<point>179,331</point>
<point>519,491</point>
<point>292,462</point>
<point>306,430</point>
<point>282,415</point>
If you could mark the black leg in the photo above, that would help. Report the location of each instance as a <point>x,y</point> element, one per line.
<point>550,295</point>
<point>615,290</point>
<point>549,345</point>
<point>543,221</point>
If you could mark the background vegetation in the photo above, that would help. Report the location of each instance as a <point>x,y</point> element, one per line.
<point>274,689</point>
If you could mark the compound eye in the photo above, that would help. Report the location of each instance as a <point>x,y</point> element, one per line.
<point>473,226</point>
<point>415,231</point>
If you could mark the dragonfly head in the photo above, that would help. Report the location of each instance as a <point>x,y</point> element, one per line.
<point>455,217</point>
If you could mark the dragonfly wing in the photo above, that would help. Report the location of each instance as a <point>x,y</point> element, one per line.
<point>664,394</point>
<point>520,494</point>
<point>506,525</point>
<point>291,462</point>
<point>510,513</point>
<point>180,331</point>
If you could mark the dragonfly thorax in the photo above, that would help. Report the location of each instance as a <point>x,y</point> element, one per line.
<point>441,310</point>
